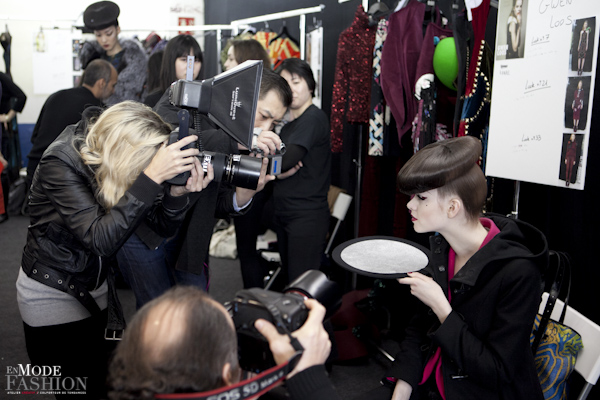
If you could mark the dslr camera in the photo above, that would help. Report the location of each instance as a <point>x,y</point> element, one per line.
<point>229,100</point>
<point>286,311</point>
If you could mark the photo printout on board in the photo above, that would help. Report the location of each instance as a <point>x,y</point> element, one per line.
<point>542,91</point>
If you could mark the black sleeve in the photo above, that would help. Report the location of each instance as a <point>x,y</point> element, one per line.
<point>293,154</point>
<point>11,90</point>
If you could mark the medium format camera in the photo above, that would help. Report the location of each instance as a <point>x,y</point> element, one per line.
<point>238,170</point>
<point>284,310</point>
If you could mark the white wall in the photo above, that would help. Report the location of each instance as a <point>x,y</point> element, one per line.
<point>24,19</point>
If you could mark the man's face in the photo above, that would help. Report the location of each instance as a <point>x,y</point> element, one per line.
<point>269,111</point>
<point>109,88</point>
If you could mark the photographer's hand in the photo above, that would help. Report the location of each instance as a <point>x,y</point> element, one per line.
<point>269,142</point>
<point>243,195</point>
<point>312,337</point>
<point>290,172</point>
<point>170,161</point>
<point>197,180</point>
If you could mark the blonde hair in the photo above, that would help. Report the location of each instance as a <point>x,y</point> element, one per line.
<point>120,145</point>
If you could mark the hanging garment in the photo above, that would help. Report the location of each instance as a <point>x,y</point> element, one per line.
<point>281,48</point>
<point>399,63</point>
<point>476,107</point>
<point>264,37</point>
<point>354,65</point>
<point>377,124</point>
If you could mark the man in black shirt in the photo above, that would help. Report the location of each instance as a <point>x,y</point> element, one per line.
<point>65,107</point>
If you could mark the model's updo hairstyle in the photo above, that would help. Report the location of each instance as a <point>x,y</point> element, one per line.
<point>451,166</point>
<point>120,144</point>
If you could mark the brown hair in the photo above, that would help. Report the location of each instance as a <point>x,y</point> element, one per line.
<point>177,343</point>
<point>250,49</point>
<point>451,167</point>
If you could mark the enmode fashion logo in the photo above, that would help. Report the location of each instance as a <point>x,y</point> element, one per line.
<point>42,379</point>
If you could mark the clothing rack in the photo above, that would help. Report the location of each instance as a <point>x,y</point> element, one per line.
<point>301,12</point>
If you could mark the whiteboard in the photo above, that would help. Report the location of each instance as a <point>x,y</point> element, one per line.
<point>541,98</point>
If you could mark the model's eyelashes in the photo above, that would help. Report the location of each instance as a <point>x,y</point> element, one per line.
<point>421,197</point>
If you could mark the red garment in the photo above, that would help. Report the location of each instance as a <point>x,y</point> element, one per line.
<point>282,48</point>
<point>435,362</point>
<point>399,63</point>
<point>353,73</point>
<point>577,103</point>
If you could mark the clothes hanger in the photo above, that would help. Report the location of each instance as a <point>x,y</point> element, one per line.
<point>376,12</point>
<point>283,34</point>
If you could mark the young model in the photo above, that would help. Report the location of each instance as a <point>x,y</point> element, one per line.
<point>480,292</point>
<point>513,29</point>
<point>577,105</point>
<point>127,56</point>
<point>582,47</point>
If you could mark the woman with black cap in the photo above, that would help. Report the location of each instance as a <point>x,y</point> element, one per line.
<point>127,56</point>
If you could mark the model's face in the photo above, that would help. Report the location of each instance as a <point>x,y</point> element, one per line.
<point>108,38</point>
<point>518,7</point>
<point>181,66</point>
<point>427,211</point>
<point>230,62</point>
<point>585,25</point>
<point>301,95</point>
<point>269,111</point>
<point>572,138</point>
<point>580,85</point>
<point>109,89</point>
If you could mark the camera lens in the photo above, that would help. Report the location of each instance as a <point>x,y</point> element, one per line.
<point>244,171</point>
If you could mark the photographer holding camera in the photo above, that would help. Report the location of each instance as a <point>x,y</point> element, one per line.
<point>184,342</point>
<point>93,186</point>
<point>151,263</point>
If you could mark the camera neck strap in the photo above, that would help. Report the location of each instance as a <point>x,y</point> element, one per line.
<point>253,387</point>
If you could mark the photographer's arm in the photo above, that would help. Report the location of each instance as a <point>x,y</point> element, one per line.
<point>308,380</point>
<point>312,336</point>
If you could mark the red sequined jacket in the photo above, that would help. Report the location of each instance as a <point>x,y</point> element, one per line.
<point>353,74</point>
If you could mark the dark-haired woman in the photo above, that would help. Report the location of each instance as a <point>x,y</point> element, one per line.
<point>300,201</point>
<point>174,65</point>
<point>480,292</point>
<point>243,50</point>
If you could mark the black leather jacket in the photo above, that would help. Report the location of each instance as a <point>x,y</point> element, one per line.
<point>70,231</point>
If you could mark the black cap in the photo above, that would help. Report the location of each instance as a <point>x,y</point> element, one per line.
<point>101,15</point>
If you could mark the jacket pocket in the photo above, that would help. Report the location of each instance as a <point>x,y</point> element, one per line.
<point>61,249</point>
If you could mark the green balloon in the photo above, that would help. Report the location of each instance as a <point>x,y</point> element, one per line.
<point>445,62</point>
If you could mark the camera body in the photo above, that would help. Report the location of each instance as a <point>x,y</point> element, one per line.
<point>286,311</point>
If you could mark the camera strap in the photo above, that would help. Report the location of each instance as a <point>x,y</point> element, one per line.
<point>253,387</point>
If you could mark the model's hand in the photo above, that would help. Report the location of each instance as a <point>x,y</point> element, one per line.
<point>429,292</point>
<point>170,161</point>
<point>197,180</point>
<point>402,391</point>
<point>312,336</point>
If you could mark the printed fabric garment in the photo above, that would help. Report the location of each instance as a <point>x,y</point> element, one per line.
<point>282,48</point>
<point>264,37</point>
<point>351,95</point>
<point>399,63</point>
<point>377,123</point>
